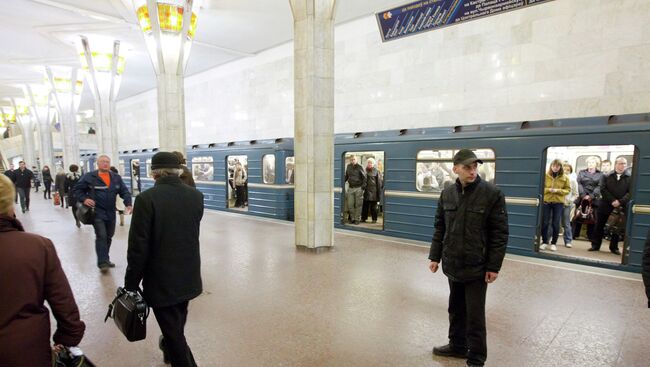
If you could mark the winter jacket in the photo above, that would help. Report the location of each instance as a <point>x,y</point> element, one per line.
<point>589,183</point>
<point>646,267</point>
<point>47,177</point>
<point>559,182</point>
<point>572,196</point>
<point>186,177</point>
<point>163,248</point>
<point>355,176</point>
<point>30,274</point>
<point>11,174</point>
<point>23,178</point>
<point>59,182</point>
<point>104,197</point>
<point>612,188</point>
<point>71,179</point>
<point>374,184</point>
<point>240,176</point>
<point>470,230</point>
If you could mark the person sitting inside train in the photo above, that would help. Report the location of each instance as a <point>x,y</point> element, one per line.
<point>589,190</point>
<point>615,189</point>
<point>556,187</point>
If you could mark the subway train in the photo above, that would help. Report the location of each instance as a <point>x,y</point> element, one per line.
<point>416,165</point>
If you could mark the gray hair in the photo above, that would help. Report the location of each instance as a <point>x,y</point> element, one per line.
<point>163,172</point>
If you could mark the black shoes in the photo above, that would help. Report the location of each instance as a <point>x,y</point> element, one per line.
<point>615,252</point>
<point>161,345</point>
<point>105,266</point>
<point>449,351</point>
<point>593,249</point>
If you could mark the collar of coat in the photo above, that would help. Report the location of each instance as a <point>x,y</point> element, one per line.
<point>166,180</point>
<point>470,187</point>
<point>9,224</point>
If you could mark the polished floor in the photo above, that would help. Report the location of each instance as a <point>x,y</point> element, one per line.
<point>370,301</point>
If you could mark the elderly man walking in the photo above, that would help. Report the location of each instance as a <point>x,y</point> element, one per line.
<point>99,189</point>
<point>164,253</point>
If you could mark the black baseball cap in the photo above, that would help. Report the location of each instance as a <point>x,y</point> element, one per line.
<point>466,157</point>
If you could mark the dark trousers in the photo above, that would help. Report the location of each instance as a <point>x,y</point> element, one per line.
<point>16,196</point>
<point>172,324</point>
<point>47,190</point>
<point>240,196</point>
<point>599,231</point>
<point>369,206</point>
<point>552,214</point>
<point>63,198</point>
<point>24,197</point>
<point>104,230</point>
<point>467,318</point>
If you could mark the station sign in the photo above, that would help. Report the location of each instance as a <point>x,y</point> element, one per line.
<point>425,15</point>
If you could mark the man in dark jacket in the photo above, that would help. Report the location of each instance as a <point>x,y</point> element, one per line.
<point>372,193</point>
<point>470,238</point>
<point>615,191</point>
<point>356,179</point>
<point>23,183</point>
<point>11,173</point>
<point>164,253</point>
<point>99,190</point>
<point>646,267</point>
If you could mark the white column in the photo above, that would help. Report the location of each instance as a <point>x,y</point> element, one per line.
<point>171,112</point>
<point>67,84</point>
<point>38,95</point>
<point>26,125</point>
<point>314,121</point>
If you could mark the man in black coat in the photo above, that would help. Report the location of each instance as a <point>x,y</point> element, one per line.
<point>11,173</point>
<point>164,253</point>
<point>646,267</point>
<point>470,238</point>
<point>23,183</point>
<point>615,191</point>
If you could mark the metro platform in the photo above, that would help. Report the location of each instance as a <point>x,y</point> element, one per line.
<point>370,301</point>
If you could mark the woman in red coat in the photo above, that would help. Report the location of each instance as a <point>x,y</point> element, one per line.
<point>30,274</point>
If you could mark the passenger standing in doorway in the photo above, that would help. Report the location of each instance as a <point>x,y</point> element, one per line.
<point>470,238</point>
<point>589,190</point>
<point>99,189</point>
<point>47,182</point>
<point>11,173</point>
<point>356,179</point>
<point>615,189</point>
<point>556,188</point>
<point>23,182</point>
<point>372,193</point>
<point>569,204</point>
<point>240,178</point>
<point>71,180</point>
<point>164,253</point>
<point>59,185</point>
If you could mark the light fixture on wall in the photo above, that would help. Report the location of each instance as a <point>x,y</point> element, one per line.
<point>169,27</point>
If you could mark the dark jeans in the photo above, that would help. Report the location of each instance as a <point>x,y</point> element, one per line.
<point>16,197</point>
<point>467,318</point>
<point>601,219</point>
<point>104,230</point>
<point>240,199</point>
<point>172,320</point>
<point>552,214</point>
<point>63,198</point>
<point>369,206</point>
<point>24,197</point>
<point>47,190</point>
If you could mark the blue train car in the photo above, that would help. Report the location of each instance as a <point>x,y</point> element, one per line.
<point>520,153</point>
<point>135,168</point>
<point>268,166</point>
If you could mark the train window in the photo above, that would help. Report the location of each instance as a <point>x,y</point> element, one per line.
<point>238,182</point>
<point>582,219</point>
<point>203,168</point>
<point>121,166</point>
<point>289,167</point>
<point>147,164</point>
<point>363,207</point>
<point>268,168</point>
<point>136,187</point>
<point>434,168</point>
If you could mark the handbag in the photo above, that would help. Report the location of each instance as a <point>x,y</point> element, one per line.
<point>585,213</point>
<point>85,214</point>
<point>63,358</point>
<point>129,311</point>
<point>615,223</point>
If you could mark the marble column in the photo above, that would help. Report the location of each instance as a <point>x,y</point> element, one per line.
<point>40,107</point>
<point>26,125</point>
<point>66,88</point>
<point>314,121</point>
<point>171,112</point>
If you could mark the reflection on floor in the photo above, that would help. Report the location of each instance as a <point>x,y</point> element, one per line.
<point>368,303</point>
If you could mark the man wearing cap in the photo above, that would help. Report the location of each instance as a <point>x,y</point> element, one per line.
<point>99,189</point>
<point>470,238</point>
<point>164,253</point>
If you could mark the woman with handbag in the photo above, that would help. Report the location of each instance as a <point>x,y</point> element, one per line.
<point>30,274</point>
<point>589,190</point>
<point>556,187</point>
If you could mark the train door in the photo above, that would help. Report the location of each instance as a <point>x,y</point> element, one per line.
<point>136,185</point>
<point>586,192</point>
<point>237,177</point>
<point>363,189</point>
<point>289,169</point>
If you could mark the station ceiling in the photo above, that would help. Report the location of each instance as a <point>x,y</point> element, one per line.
<point>35,33</point>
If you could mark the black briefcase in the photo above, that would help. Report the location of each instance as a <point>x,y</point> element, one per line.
<point>129,311</point>
<point>85,214</point>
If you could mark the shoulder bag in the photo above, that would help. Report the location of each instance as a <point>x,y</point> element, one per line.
<point>86,214</point>
<point>129,311</point>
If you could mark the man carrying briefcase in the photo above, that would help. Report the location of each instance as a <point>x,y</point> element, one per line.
<point>170,270</point>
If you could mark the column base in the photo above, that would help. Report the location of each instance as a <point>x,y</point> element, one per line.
<point>315,250</point>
